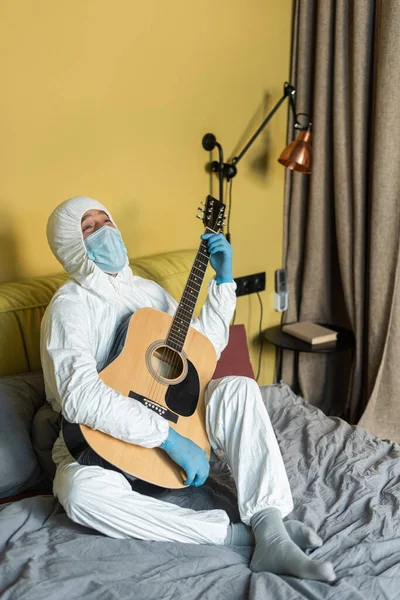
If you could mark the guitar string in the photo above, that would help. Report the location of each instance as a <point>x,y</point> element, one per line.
<point>156,386</point>
<point>172,356</point>
<point>151,391</point>
<point>176,358</point>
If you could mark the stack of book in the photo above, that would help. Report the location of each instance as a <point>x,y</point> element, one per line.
<point>311,332</point>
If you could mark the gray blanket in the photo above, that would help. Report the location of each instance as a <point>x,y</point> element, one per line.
<point>345,484</point>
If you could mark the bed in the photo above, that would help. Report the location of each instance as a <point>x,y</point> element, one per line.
<point>345,484</point>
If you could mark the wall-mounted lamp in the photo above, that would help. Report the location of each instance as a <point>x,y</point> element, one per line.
<point>297,156</point>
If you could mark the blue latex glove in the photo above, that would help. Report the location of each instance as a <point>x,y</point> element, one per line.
<point>220,256</point>
<point>187,455</point>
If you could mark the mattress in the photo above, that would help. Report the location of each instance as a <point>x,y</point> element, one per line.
<point>345,484</point>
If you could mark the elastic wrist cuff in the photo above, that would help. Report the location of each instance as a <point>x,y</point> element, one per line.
<point>170,440</point>
<point>165,443</point>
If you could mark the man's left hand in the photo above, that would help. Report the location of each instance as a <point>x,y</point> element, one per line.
<point>220,256</point>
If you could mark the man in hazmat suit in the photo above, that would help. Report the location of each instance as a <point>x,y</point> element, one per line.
<point>77,332</point>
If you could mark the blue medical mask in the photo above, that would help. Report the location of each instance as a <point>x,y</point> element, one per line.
<point>106,249</point>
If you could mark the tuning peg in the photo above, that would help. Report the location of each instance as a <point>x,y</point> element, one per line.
<point>199,217</point>
<point>203,203</point>
<point>201,210</point>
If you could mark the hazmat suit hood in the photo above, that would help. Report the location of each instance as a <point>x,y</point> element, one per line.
<point>66,241</point>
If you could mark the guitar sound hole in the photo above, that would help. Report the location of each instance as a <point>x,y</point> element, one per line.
<point>167,363</point>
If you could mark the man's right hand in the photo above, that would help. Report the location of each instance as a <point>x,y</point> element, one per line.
<point>187,455</point>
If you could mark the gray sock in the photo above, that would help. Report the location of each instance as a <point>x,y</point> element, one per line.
<point>276,553</point>
<point>302,535</point>
<point>239,534</point>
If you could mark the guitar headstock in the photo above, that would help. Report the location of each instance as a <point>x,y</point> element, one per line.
<point>213,214</point>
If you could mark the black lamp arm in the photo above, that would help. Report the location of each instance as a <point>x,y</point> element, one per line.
<point>228,170</point>
<point>288,90</point>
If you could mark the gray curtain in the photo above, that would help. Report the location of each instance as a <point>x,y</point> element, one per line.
<point>341,224</point>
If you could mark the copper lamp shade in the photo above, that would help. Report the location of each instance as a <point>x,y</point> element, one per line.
<point>298,155</point>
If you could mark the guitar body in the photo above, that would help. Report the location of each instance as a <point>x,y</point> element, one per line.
<point>170,382</point>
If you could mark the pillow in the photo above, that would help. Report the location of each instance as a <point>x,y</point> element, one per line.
<point>20,397</point>
<point>235,359</point>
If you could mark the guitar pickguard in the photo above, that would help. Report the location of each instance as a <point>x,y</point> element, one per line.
<point>183,397</point>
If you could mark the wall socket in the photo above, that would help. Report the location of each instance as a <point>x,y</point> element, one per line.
<point>249,284</point>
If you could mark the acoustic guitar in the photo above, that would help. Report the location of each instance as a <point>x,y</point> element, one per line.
<point>166,365</point>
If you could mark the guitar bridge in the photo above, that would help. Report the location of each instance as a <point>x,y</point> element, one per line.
<point>161,410</point>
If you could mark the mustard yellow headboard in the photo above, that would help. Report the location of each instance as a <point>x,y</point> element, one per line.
<point>22,305</point>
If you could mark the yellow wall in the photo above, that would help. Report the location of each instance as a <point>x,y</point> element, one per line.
<point>111,100</point>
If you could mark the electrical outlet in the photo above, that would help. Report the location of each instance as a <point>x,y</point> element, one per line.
<point>249,284</point>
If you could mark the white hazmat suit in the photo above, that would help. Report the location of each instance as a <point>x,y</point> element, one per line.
<point>77,332</point>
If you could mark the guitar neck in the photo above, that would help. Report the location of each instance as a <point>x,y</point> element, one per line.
<point>183,316</point>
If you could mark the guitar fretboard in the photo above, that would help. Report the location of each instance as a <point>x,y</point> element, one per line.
<point>183,316</point>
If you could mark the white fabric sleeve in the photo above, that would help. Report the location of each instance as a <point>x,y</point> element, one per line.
<point>215,315</point>
<point>70,368</point>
